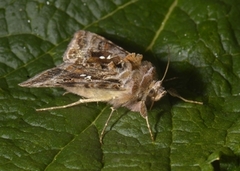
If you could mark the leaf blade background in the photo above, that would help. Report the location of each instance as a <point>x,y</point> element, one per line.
<point>202,38</point>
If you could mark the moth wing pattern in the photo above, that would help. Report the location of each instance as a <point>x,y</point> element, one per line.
<point>73,75</point>
<point>90,61</point>
<point>86,45</point>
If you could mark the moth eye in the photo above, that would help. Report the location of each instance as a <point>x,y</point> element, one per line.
<point>151,92</point>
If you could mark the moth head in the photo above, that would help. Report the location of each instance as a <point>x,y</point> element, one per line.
<point>157,91</point>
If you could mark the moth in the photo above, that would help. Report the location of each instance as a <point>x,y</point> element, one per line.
<point>100,71</point>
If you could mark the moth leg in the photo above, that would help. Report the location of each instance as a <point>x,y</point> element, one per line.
<point>149,128</point>
<point>73,104</point>
<point>65,93</point>
<point>174,93</point>
<point>105,126</point>
<point>143,112</point>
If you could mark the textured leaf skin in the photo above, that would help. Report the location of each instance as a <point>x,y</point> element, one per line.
<point>202,39</point>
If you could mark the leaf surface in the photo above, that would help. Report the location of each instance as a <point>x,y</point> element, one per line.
<point>202,39</point>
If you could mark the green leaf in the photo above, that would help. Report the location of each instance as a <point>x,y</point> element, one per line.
<point>202,39</point>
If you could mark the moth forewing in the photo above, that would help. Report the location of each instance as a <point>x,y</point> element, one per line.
<point>85,45</point>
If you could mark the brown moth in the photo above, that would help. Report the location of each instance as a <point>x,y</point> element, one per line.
<point>100,71</point>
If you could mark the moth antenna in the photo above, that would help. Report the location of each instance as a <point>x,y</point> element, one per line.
<point>166,70</point>
<point>170,79</point>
